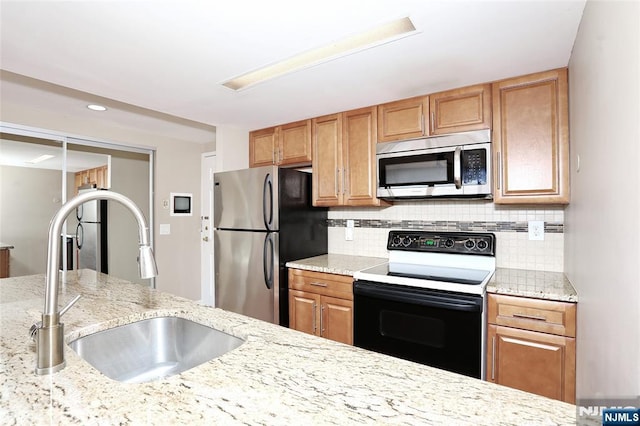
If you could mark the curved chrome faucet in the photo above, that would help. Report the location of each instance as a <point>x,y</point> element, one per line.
<point>49,334</point>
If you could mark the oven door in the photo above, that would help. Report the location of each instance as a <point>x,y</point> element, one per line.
<point>439,329</point>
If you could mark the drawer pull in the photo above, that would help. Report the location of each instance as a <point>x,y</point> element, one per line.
<point>318,284</point>
<point>531,317</point>
<point>314,318</point>
<point>493,358</point>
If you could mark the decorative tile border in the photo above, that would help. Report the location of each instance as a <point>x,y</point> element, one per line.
<point>447,225</point>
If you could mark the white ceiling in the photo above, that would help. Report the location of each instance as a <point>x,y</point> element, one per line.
<point>172,56</point>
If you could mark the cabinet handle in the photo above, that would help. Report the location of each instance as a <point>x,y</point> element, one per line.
<point>321,319</point>
<point>493,358</point>
<point>314,318</point>
<point>318,284</point>
<point>344,181</point>
<point>499,169</point>
<point>433,121</point>
<point>531,317</point>
<point>337,181</point>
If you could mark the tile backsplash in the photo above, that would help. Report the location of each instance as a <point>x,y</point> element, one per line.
<point>513,247</point>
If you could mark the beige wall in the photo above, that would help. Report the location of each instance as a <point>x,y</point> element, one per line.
<point>24,220</point>
<point>602,254</point>
<point>130,177</point>
<point>232,148</point>
<point>177,169</point>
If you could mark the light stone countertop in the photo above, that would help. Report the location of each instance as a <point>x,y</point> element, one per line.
<point>341,264</point>
<point>278,376</point>
<point>4,246</point>
<point>516,282</point>
<point>535,284</point>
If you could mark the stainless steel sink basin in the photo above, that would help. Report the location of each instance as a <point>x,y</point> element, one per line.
<point>152,349</point>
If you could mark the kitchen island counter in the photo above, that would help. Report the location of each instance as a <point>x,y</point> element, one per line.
<point>278,376</point>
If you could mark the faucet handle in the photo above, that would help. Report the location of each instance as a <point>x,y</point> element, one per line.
<point>34,328</point>
<point>69,305</point>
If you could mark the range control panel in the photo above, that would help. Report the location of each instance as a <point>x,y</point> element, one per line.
<point>443,242</point>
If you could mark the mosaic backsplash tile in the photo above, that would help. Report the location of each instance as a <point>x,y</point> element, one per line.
<point>510,224</point>
<point>446,225</point>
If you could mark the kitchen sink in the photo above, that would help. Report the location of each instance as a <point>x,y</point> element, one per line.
<point>152,349</point>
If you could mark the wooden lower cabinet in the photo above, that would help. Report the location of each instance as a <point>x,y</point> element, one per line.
<point>522,356</point>
<point>321,304</point>
<point>4,263</point>
<point>535,362</point>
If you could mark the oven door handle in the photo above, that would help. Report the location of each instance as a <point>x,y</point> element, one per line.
<point>419,297</point>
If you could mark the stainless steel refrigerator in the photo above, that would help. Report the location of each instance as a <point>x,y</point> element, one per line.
<point>91,234</point>
<point>263,218</point>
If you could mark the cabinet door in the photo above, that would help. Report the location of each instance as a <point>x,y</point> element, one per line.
<point>402,119</point>
<point>337,319</point>
<point>327,160</point>
<point>531,139</point>
<point>262,146</point>
<point>303,312</point>
<point>295,143</point>
<point>460,110</point>
<point>359,129</point>
<point>535,362</point>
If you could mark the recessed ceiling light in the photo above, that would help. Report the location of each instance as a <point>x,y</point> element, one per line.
<point>94,107</point>
<point>40,159</point>
<point>382,34</point>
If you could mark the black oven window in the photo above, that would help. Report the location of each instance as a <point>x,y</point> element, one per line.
<point>427,169</point>
<point>422,330</point>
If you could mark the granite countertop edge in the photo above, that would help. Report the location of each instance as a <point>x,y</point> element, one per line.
<point>278,376</point>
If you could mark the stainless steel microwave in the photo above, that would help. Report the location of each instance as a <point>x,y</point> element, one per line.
<point>457,165</point>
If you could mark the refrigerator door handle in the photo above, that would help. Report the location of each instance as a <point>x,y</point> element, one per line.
<point>79,236</point>
<point>267,197</point>
<point>268,254</point>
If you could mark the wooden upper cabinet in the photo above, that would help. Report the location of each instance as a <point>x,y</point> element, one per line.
<point>98,176</point>
<point>262,147</point>
<point>460,110</point>
<point>402,119</point>
<point>359,137</point>
<point>295,143</point>
<point>289,144</point>
<point>327,160</point>
<point>531,139</point>
<point>344,163</point>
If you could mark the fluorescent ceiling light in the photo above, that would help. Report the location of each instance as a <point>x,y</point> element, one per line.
<point>41,159</point>
<point>377,36</point>
<point>94,107</point>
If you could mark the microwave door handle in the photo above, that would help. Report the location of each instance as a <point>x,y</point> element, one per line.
<point>457,178</point>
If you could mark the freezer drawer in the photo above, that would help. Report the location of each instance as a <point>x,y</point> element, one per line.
<point>247,273</point>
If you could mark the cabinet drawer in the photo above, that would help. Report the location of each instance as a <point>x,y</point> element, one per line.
<point>333,285</point>
<point>533,314</point>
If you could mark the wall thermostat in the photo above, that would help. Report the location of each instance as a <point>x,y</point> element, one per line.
<point>181,204</point>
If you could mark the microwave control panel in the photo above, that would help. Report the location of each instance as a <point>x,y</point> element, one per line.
<point>474,167</point>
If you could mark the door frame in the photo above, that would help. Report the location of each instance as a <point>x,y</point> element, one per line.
<point>207,264</point>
